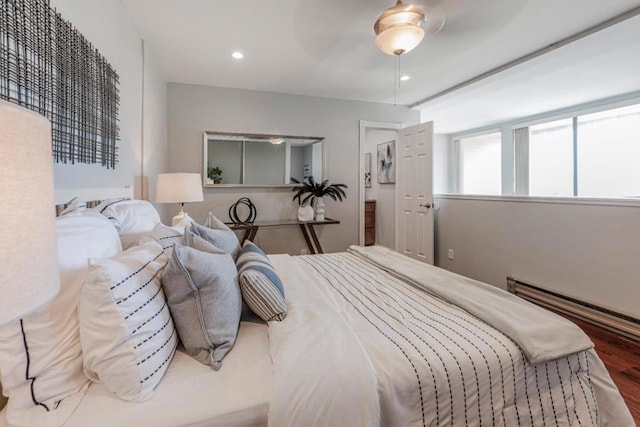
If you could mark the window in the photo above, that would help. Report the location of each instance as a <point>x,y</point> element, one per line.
<point>592,155</point>
<point>609,153</point>
<point>551,159</point>
<point>480,169</point>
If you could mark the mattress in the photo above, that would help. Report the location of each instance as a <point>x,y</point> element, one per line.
<point>192,394</point>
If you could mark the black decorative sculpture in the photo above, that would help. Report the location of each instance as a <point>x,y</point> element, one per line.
<point>233,212</point>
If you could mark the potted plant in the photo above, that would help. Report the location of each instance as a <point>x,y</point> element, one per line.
<point>312,192</point>
<point>215,174</point>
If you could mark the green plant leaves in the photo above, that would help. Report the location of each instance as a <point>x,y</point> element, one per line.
<point>309,190</point>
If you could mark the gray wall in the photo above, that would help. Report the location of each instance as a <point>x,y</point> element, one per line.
<point>582,250</point>
<point>194,109</point>
<point>108,27</point>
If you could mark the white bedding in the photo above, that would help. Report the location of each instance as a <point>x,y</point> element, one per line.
<point>361,347</point>
<point>433,363</point>
<point>192,394</point>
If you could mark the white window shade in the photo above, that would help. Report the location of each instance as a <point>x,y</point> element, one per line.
<point>480,164</point>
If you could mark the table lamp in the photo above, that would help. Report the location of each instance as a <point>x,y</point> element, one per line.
<point>29,275</point>
<point>179,188</point>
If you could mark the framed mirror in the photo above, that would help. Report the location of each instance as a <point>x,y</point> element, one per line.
<point>258,160</point>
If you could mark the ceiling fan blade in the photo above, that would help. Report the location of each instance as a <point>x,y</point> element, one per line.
<point>434,19</point>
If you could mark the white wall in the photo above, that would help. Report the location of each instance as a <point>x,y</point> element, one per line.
<point>154,145</point>
<point>194,109</point>
<point>587,251</point>
<point>108,27</point>
<point>383,194</point>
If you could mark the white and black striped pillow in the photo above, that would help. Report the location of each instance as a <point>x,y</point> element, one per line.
<point>126,331</point>
<point>261,287</point>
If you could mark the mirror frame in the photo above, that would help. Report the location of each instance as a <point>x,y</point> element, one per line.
<point>208,134</point>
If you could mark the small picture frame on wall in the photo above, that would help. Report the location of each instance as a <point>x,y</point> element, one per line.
<point>387,163</point>
<point>367,170</point>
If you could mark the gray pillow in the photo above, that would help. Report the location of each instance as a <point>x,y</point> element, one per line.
<point>205,301</point>
<point>219,235</point>
<point>196,242</point>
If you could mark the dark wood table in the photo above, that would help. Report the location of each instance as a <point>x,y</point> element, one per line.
<point>306,227</point>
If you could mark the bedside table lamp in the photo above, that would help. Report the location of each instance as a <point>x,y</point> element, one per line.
<point>179,188</point>
<point>29,275</point>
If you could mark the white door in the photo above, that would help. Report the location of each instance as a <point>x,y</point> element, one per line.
<point>414,192</point>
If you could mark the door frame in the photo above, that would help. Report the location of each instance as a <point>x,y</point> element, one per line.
<point>364,125</point>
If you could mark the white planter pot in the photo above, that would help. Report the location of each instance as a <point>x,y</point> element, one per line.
<point>320,209</point>
<point>305,213</point>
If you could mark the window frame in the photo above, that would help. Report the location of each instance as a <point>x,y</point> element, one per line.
<point>513,158</point>
<point>521,151</point>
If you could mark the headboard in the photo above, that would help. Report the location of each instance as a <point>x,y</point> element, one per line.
<point>90,196</point>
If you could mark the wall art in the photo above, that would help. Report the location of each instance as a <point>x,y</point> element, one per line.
<point>387,162</point>
<point>49,67</point>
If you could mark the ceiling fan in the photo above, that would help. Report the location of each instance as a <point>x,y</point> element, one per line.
<point>400,28</point>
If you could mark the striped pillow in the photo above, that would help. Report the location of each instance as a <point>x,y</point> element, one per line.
<point>126,331</point>
<point>261,287</point>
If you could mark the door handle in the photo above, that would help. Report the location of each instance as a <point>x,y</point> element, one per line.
<point>426,205</point>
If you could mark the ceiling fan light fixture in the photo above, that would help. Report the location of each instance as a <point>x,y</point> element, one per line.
<point>399,39</point>
<point>399,29</point>
<point>276,140</point>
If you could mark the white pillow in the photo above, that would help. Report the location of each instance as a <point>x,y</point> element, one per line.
<point>52,358</point>
<point>132,218</point>
<point>127,334</point>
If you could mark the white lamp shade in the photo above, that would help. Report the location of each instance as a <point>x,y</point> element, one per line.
<point>179,188</point>
<point>399,39</point>
<point>29,275</point>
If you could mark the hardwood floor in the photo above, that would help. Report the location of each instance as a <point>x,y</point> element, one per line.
<point>621,356</point>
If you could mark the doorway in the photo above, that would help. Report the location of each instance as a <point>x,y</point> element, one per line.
<point>373,134</point>
<point>383,188</point>
<point>408,227</point>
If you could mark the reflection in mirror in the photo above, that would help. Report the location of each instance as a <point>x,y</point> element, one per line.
<point>260,160</point>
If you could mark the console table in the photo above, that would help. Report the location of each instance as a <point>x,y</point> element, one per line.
<point>306,227</point>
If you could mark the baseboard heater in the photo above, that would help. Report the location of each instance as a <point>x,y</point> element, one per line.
<point>601,316</point>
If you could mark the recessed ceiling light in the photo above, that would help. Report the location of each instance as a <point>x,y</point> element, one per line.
<point>237,55</point>
<point>404,78</point>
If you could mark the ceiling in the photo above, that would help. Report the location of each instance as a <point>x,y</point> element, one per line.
<point>326,48</point>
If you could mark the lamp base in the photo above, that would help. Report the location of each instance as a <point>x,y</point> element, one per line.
<point>176,219</point>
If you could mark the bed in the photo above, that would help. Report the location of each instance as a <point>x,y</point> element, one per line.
<point>374,338</point>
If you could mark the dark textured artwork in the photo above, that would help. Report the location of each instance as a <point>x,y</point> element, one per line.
<point>387,163</point>
<point>47,66</point>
